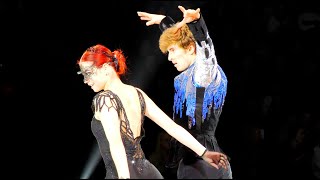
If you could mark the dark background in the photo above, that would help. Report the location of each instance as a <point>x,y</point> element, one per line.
<point>269,50</point>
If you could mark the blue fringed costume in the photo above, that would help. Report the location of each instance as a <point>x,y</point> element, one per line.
<point>199,96</point>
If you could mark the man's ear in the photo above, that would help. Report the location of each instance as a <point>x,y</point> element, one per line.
<point>191,49</point>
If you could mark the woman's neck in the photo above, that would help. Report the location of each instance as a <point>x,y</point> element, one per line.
<point>114,84</point>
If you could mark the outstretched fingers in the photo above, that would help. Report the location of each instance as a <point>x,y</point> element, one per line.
<point>189,15</point>
<point>150,18</point>
<point>143,16</point>
<point>182,9</point>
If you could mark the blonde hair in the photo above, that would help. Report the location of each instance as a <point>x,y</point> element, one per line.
<point>182,37</point>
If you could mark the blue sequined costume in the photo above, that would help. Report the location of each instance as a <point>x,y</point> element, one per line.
<point>199,96</point>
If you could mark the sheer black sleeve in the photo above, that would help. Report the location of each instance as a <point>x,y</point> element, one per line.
<point>199,30</point>
<point>166,23</point>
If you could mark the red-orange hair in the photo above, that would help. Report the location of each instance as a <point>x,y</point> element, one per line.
<point>100,55</point>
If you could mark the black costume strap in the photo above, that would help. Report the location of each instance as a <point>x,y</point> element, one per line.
<point>199,104</point>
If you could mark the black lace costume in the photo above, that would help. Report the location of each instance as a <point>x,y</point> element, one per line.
<point>139,166</point>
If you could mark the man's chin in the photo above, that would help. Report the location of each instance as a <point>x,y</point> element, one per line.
<point>179,70</point>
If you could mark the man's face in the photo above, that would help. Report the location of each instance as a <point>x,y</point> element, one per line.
<point>180,57</point>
